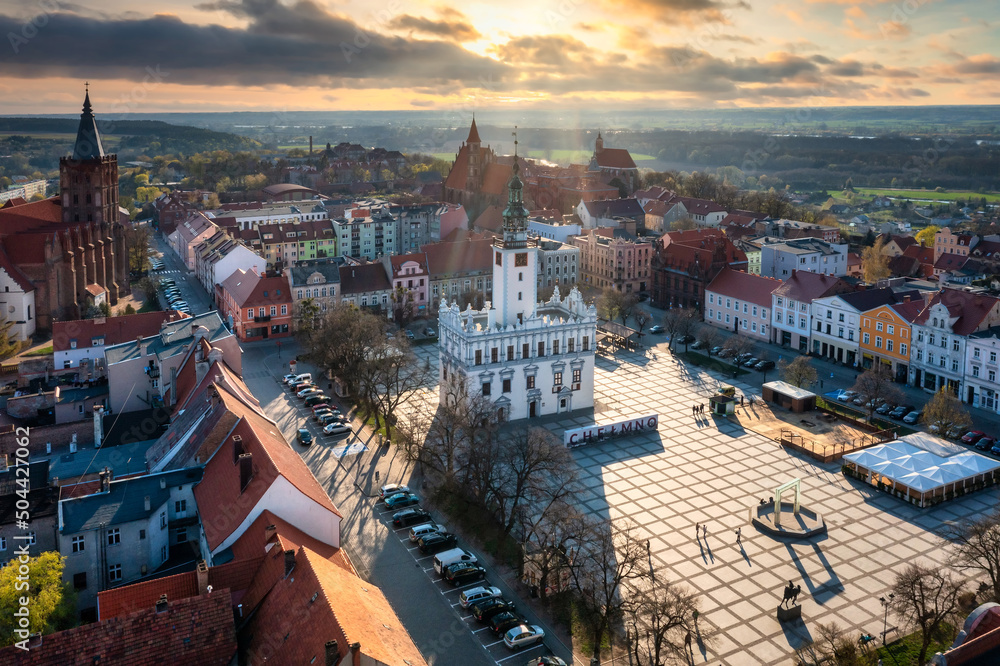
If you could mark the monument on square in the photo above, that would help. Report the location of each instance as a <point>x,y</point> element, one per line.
<point>767,514</point>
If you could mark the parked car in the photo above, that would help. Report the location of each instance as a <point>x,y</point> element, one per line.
<point>418,532</point>
<point>501,622</point>
<point>288,378</point>
<point>321,406</point>
<point>304,437</point>
<point>550,660</point>
<point>954,432</point>
<point>401,500</point>
<point>430,332</point>
<point>487,609</point>
<point>885,408</point>
<point>715,350</point>
<point>295,387</point>
<point>411,516</point>
<point>973,436</point>
<point>523,636</point>
<point>656,329</point>
<point>333,417</point>
<point>462,573</point>
<point>859,401</point>
<point>336,428</point>
<point>306,392</point>
<point>985,443</point>
<point>409,334</point>
<point>725,353</point>
<point>436,542</point>
<point>391,489</point>
<point>685,339</point>
<point>698,345</point>
<point>740,358</point>
<point>320,413</point>
<point>764,365</point>
<point>318,398</point>
<point>750,362</point>
<point>912,417</point>
<point>900,411</point>
<point>477,594</point>
<point>995,449</point>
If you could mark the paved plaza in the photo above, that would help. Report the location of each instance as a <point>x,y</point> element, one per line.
<point>710,471</point>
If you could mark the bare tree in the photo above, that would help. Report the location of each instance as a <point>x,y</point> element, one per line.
<point>613,304</point>
<point>551,544</point>
<point>535,471</point>
<point>710,336</point>
<point>612,557</point>
<point>926,597</point>
<point>342,340</point>
<point>944,411</point>
<point>799,372</point>
<point>678,322</point>
<point>661,617</point>
<point>977,547</point>
<point>736,346</point>
<point>641,317</point>
<point>875,386</point>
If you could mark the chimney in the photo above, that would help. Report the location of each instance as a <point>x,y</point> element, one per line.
<point>269,532</point>
<point>161,604</point>
<point>289,561</point>
<point>246,470</point>
<point>163,483</point>
<point>146,503</point>
<point>237,448</point>
<point>332,654</point>
<point>35,641</point>
<point>202,574</point>
<point>356,654</point>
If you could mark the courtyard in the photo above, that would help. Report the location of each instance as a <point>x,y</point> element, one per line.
<point>699,469</point>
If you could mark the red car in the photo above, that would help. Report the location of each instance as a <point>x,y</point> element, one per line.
<point>973,436</point>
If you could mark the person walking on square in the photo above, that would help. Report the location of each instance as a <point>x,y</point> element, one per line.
<point>697,527</point>
<point>704,530</point>
<point>739,536</point>
<point>687,643</point>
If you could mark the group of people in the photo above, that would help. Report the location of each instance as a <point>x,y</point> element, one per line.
<point>697,409</point>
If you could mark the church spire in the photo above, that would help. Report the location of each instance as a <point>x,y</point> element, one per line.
<point>515,217</point>
<point>88,139</point>
<point>473,132</point>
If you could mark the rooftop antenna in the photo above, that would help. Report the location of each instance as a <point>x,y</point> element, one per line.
<point>514,134</point>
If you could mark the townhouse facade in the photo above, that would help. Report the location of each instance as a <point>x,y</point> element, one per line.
<point>836,321</point>
<point>367,233</point>
<point>779,259</point>
<point>940,335</point>
<point>410,282</point>
<point>615,258</point>
<point>317,280</point>
<point>458,268</point>
<point>366,286</point>
<point>222,255</point>
<point>982,383</point>
<point>255,307</point>
<point>740,302</point>
<point>685,262</point>
<point>558,264</point>
<point>886,336</point>
<point>948,241</point>
<point>791,306</point>
<point>292,243</point>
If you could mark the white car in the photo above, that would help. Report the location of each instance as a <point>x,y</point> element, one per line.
<point>288,378</point>
<point>523,636</point>
<point>336,429</point>
<point>305,393</point>
<point>477,594</point>
<point>391,489</point>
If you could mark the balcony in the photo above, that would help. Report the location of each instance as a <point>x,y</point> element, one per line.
<point>153,371</point>
<point>265,318</point>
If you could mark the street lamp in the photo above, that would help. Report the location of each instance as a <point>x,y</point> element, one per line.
<point>885,618</point>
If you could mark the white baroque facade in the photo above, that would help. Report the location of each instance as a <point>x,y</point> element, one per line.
<point>531,359</point>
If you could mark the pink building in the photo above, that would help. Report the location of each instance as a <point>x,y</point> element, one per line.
<point>410,280</point>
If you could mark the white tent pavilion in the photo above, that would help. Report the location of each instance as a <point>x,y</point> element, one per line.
<point>921,467</point>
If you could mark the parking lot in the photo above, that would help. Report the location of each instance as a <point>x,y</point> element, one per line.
<point>492,644</point>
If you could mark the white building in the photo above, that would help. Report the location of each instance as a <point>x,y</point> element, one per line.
<point>740,302</point>
<point>558,264</point>
<point>17,300</point>
<point>217,258</point>
<point>558,231</point>
<point>939,335</point>
<point>982,366</point>
<point>531,359</point>
<point>791,311</point>
<point>778,260</point>
<point>836,321</point>
<point>255,214</point>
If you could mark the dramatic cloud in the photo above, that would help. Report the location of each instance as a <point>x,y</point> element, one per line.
<point>460,31</point>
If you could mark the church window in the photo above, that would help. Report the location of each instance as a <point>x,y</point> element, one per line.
<point>486,388</point>
<point>479,357</point>
<point>520,276</point>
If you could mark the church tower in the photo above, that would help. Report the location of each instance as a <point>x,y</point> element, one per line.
<point>599,144</point>
<point>515,264</point>
<point>88,180</point>
<point>475,155</point>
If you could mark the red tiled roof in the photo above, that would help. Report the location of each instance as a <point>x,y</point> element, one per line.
<point>909,310</point>
<point>222,504</point>
<point>114,330</point>
<point>700,206</point>
<point>195,630</point>
<point>459,173</point>
<point>45,214</point>
<point>805,286</point>
<point>234,576</point>
<point>615,158</point>
<point>247,289</point>
<point>495,178</point>
<point>15,273</point>
<point>924,255</point>
<point>459,258</point>
<point>490,219</point>
<point>363,279</point>
<point>744,286</point>
<point>971,310</point>
<point>692,237</point>
<point>253,542</point>
<point>323,602</point>
<point>397,261</point>
<point>950,262</point>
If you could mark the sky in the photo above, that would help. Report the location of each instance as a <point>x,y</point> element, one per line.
<point>290,55</point>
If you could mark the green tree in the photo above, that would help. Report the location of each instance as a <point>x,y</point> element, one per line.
<point>52,603</point>
<point>874,263</point>
<point>306,316</point>
<point>945,411</point>
<point>799,372</point>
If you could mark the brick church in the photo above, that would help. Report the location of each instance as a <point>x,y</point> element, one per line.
<point>58,254</point>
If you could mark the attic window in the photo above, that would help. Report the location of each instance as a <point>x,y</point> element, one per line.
<point>265,293</point>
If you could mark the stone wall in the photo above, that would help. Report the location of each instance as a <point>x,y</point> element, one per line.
<point>28,406</point>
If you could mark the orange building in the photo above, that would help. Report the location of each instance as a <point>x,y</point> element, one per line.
<point>885,336</point>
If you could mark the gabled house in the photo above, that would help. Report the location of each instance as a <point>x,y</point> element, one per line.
<point>80,343</point>
<point>366,286</point>
<point>887,336</point>
<point>791,306</point>
<point>838,318</point>
<point>255,307</point>
<point>461,267</point>
<point>685,262</point>
<point>318,281</point>
<point>410,284</point>
<point>190,233</point>
<point>741,302</point>
<point>610,213</point>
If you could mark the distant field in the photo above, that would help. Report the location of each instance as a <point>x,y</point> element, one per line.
<point>929,195</point>
<point>59,136</point>
<point>560,156</point>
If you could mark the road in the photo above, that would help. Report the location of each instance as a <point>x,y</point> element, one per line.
<point>191,290</point>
